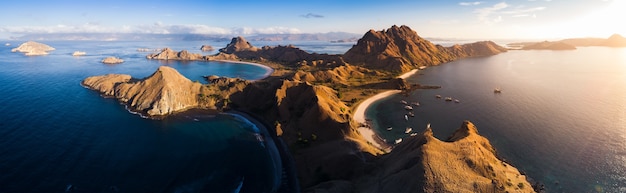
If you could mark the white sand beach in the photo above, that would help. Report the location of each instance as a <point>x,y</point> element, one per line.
<point>406,75</point>
<point>268,69</point>
<point>359,114</point>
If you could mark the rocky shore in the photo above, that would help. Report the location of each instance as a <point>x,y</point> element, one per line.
<point>311,101</point>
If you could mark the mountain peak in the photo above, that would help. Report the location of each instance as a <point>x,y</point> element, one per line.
<point>238,44</point>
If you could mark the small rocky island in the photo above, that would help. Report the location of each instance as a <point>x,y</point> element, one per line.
<point>310,99</point>
<point>207,48</point>
<point>78,53</point>
<point>112,60</point>
<point>32,48</point>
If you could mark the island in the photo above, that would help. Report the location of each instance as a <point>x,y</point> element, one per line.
<point>78,53</point>
<point>311,100</point>
<point>615,40</point>
<point>112,60</point>
<point>207,48</point>
<point>32,48</point>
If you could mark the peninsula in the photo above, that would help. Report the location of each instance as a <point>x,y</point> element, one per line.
<point>310,99</point>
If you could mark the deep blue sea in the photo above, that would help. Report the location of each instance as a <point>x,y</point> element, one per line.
<point>561,116</point>
<point>56,136</point>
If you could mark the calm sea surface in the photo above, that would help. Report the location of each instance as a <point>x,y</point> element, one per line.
<point>56,136</point>
<point>561,116</point>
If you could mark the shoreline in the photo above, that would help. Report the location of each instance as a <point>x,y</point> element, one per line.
<point>409,73</point>
<point>366,130</point>
<point>269,70</point>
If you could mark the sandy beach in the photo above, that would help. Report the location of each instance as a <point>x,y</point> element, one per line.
<point>406,75</point>
<point>268,69</point>
<point>359,114</point>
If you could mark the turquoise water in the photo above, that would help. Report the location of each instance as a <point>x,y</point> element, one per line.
<point>57,136</point>
<point>561,116</point>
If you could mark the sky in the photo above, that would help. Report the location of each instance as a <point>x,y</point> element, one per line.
<point>482,19</point>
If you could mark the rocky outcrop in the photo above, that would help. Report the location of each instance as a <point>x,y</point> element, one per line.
<point>466,162</point>
<point>78,53</point>
<point>112,60</point>
<point>314,122</point>
<point>476,49</point>
<point>169,54</point>
<point>238,44</point>
<point>31,48</point>
<point>207,48</point>
<point>165,91</point>
<point>400,49</point>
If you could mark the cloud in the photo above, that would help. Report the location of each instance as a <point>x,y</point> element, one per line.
<point>268,30</point>
<point>523,11</point>
<point>312,15</point>
<point>155,28</point>
<point>495,13</point>
<point>470,3</point>
<point>485,14</point>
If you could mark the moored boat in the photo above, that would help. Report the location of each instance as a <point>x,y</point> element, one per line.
<point>407,107</point>
<point>408,130</point>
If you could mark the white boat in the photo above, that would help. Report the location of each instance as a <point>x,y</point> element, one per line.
<point>406,117</point>
<point>438,96</point>
<point>389,128</point>
<point>427,125</point>
<point>398,140</point>
<point>413,134</point>
<point>421,67</point>
<point>408,130</point>
<point>457,101</point>
<point>7,44</point>
<point>448,98</point>
<point>411,114</point>
<point>408,107</point>
<point>417,104</point>
<point>403,102</point>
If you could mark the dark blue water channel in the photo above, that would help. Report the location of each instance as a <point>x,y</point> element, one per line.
<point>57,136</point>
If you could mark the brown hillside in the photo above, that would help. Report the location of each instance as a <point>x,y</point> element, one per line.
<point>465,163</point>
<point>400,49</point>
<point>395,49</point>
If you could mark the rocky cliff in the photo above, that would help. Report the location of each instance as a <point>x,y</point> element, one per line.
<point>169,54</point>
<point>238,44</point>
<point>164,92</point>
<point>466,162</point>
<point>315,124</point>
<point>31,48</point>
<point>400,49</point>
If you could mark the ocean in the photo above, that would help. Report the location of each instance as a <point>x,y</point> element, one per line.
<point>56,136</point>
<point>561,116</point>
<point>561,119</point>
